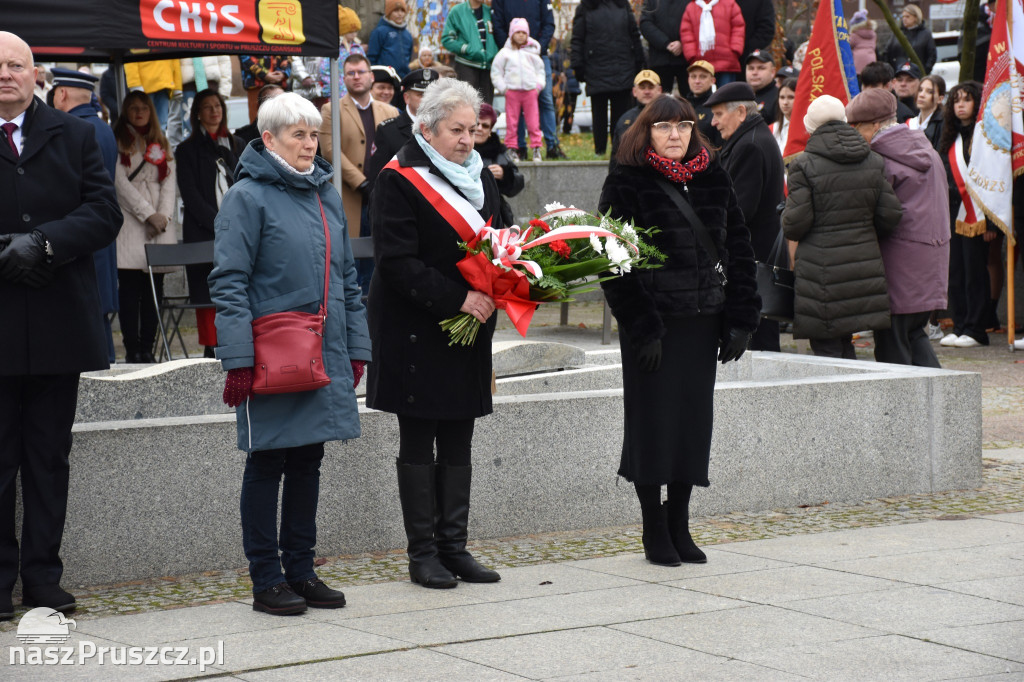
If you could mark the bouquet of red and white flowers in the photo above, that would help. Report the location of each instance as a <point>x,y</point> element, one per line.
<point>562,252</point>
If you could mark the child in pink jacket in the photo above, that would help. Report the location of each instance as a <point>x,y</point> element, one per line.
<point>518,72</point>
<point>714,30</point>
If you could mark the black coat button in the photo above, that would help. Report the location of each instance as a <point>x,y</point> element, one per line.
<point>412,369</point>
<point>21,171</point>
<point>26,218</point>
<point>410,399</point>
<point>412,292</point>
<point>412,338</point>
<point>429,304</point>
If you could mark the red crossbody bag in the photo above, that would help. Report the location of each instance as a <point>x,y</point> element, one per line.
<point>288,346</point>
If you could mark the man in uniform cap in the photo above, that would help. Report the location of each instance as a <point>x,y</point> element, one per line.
<point>385,80</point>
<point>760,74</point>
<point>646,86</point>
<point>701,80</point>
<point>395,132</point>
<point>73,92</point>
<point>751,156</point>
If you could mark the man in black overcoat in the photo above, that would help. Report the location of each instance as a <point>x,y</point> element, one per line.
<point>752,157</point>
<point>393,133</point>
<point>57,207</point>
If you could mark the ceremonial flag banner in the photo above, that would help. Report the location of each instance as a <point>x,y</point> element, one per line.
<point>827,70</point>
<point>997,149</point>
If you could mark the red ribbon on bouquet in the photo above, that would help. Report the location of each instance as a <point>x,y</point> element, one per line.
<point>509,288</point>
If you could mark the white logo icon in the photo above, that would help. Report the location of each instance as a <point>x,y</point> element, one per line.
<point>44,626</point>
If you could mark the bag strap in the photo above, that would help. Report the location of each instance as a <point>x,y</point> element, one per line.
<point>777,253</point>
<point>137,171</point>
<point>327,265</point>
<point>698,225</point>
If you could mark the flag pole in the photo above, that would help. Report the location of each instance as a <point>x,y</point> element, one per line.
<point>1011,308</point>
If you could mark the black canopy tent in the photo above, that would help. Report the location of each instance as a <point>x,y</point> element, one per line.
<point>119,31</point>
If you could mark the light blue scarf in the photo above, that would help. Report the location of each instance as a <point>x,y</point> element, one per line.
<point>465,176</point>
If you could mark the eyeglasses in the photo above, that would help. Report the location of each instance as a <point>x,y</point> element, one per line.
<point>665,127</point>
<point>354,74</point>
<point>483,126</point>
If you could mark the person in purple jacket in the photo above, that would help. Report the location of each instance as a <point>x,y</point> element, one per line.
<point>916,254</point>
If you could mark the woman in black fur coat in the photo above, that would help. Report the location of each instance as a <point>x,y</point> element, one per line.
<point>675,321</point>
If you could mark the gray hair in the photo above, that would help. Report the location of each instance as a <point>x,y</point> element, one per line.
<point>750,107</point>
<point>287,109</point>
<point>888,123</point>
<point>443,97</point>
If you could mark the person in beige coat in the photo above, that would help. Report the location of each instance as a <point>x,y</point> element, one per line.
<point>356,139</point>
<point>146,189</point>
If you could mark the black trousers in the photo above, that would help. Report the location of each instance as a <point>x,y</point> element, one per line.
<point>620,102</point>
<point>668,74</point>
<point>36,415</point>
<point>478,78</point>
<point>905,343</point>
<point>137,312</point>
<point>968,286</point>
<point>834,348</point>
<point>416,437</point>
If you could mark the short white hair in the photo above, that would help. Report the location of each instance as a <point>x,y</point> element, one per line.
<point>287,109</point>
<point>750,107</point>
<point>444,96</point>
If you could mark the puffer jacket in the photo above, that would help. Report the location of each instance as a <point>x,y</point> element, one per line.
<point>163,74</point>
<point>730,36</point>
<point>839,205</point>
<point>863,42</point>
<point>391,45</point>
<point>687,283</point>
<point>140,198</point>
<point>916,255</point>
<point>217,69</point>
<point>518,68</point>
<point>606,52</point>
<point>270,217</point>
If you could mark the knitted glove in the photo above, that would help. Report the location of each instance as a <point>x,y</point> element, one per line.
<point>238,386</point>
<point>358,367</point>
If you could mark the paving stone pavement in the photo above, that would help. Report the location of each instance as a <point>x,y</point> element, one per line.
<point>943,611</point>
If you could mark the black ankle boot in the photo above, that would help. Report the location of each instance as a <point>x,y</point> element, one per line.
<point>678,509</point>
<point>658,546</point>
<point>453,485</point>
<point>416,492</point>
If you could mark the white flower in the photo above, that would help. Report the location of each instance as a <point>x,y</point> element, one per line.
<point>595,243</point>
<point>629,233</point>
<point>553,206</point>
<point>618,255</point>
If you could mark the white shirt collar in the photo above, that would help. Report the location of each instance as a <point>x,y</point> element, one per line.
<point>18,138</point>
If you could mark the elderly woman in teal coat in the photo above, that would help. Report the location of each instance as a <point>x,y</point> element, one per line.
<point>269,257</point>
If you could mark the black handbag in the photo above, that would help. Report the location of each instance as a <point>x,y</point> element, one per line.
<point>775,283</point>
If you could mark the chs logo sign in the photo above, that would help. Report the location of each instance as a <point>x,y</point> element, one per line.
<point>238,21</point>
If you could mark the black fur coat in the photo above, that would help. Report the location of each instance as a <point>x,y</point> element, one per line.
<point>687,284</point>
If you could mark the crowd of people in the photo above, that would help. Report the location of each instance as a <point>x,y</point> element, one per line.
<point>882,237</point>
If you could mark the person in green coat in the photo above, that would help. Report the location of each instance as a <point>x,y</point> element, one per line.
<point>469,35</point>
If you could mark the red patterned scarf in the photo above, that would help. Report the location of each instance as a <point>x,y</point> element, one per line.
<point>675,170</point>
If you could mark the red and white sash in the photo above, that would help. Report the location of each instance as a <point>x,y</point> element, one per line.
<point>970,220</point>
<point>452,206</point>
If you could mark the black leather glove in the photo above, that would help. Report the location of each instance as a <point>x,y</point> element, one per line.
<point>5,240</point>
<point>23,254</point>
<point>734,345</point>
<point>648,356</point>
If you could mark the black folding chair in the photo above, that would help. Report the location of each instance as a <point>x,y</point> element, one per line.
<point>174,307</point>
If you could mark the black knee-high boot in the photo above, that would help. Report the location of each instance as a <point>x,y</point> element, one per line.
<point>416,491</point>
<point>657,543</point>
<point>452,530</point>
<point>678,506</point>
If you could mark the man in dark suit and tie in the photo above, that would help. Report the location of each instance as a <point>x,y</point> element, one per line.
<point>57,207</point>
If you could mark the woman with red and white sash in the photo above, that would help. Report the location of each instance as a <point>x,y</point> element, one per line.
<point>968,253</point>
<point>432,195</point>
